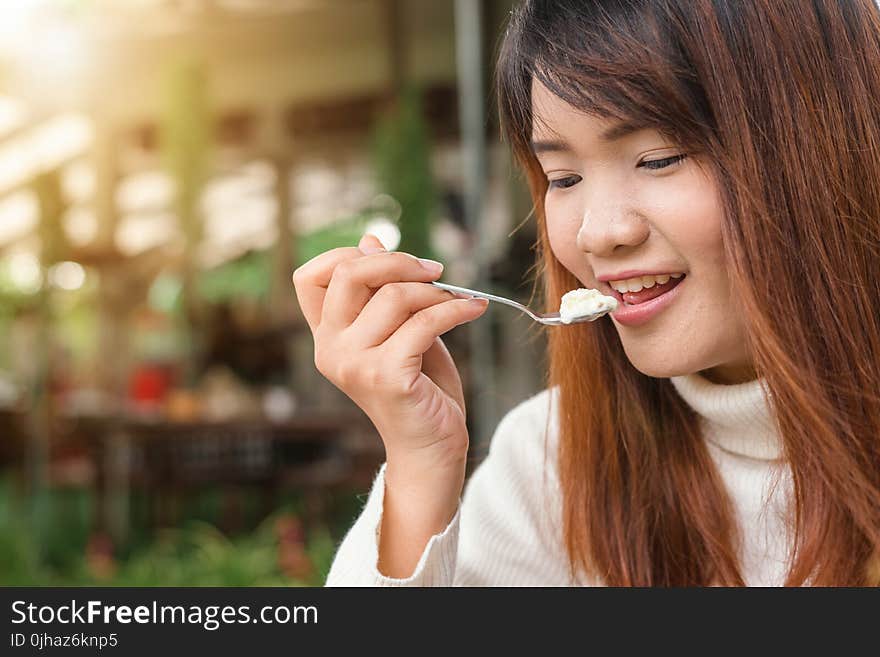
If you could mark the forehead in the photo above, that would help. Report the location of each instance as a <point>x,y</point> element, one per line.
<point>550,114</point>
<point>555,121</point>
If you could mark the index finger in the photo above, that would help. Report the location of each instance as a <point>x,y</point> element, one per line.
<point>311,280</point>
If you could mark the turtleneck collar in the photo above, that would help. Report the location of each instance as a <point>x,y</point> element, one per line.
<point>736,418</point>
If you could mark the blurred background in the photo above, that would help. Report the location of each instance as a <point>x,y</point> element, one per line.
<point>165,165</point>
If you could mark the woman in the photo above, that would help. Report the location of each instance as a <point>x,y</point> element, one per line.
<point>724,158</point>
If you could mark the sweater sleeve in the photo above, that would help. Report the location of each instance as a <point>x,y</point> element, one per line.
<point>356,561</point>
<point>505,532</point>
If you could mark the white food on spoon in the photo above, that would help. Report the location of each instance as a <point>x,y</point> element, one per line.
<point>583,302</point>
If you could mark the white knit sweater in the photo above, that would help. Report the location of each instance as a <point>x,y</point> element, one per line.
<point>508,528</point>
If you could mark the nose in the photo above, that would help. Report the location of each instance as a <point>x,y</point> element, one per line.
<point>603,231</point>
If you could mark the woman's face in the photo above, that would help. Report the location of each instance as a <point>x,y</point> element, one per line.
<point>620,205</point>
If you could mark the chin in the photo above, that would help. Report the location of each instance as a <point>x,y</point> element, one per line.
<point>663,368</point>
<point>662,372</point>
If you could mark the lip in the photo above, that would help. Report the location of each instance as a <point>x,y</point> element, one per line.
<point>634,273</point>
<point>644,312</point>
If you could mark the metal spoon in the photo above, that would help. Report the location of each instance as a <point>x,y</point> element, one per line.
<point>550,319</point>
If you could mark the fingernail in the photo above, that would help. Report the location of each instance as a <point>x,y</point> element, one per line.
<point>481,303</point>
<point>431,265</point>
<point>370,250</point>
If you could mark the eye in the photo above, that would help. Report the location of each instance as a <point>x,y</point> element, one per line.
<point>661,164</point>
<point>564,183</point>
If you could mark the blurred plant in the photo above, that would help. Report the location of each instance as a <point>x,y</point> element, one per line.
<point>344,232</point>
<point>19,561</point>
<point>25,558</point>
<point>277,553</point>
<point>247,276</point>
<point>403,170</point>
<point>100,559</point>
<point>293,558</point>
<point>201,555</point>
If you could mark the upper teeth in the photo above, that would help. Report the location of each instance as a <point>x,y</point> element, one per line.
<point>636,284</point>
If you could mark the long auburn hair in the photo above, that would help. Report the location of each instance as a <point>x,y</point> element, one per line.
<point>782,99</point>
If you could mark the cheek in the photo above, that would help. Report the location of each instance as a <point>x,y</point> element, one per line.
<point>563,242</point>
<point>699,241</point>
<point>690,218</point>
<point>562,230</point>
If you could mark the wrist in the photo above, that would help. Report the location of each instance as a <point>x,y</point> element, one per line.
<point>428,499</point>
<point>414,475</point>
<point>439,460</point>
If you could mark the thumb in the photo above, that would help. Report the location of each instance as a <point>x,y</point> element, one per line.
<point>438,365</point>
<point>369,241</point>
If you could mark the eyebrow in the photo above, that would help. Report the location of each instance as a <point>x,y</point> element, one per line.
<point>614,133</point>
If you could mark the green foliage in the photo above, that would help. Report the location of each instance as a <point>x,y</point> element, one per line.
<point>19,561</point>
<point>249,276</point>
<point>202,556</point>
<point>403,170</point>
<point>345,232</point>
<point>197,554</point>
<point>246,277</point>
<point>64,521</point>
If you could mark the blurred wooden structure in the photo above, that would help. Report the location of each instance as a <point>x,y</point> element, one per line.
<point>12,438</point>
<point>164,462</point>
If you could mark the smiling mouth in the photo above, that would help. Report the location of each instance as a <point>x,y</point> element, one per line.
<point>646,294</point>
